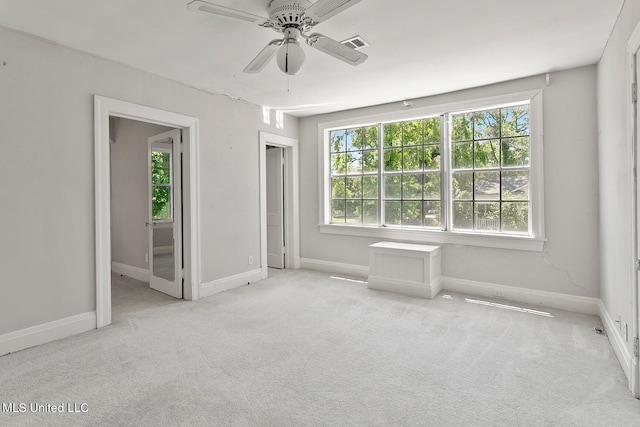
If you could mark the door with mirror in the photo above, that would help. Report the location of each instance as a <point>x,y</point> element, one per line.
<point>165,221</point>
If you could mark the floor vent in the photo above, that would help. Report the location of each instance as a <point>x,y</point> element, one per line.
<point>356,42</point>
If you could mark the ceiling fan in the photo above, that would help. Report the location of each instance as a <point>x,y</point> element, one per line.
<point>294,19</point>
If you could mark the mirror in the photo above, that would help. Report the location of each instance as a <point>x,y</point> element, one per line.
<point>163,259</point>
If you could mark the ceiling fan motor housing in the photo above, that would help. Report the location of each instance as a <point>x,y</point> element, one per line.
<point>288,13</point>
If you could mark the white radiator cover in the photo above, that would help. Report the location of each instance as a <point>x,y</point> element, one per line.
<point>406,268</point>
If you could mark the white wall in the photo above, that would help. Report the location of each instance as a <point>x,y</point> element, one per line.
<point>616,182</point>
<point>569,263</point>
<point>130,191</point>
<point>47,242</point>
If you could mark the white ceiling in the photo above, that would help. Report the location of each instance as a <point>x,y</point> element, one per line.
<point>418,47</point>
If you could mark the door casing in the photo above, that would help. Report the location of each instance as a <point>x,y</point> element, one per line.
<point>633,61</point>
<point>291,199</point>
<point>104,108</point>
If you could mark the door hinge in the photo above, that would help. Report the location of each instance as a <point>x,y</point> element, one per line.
<point>636,347</point>
<point>634,93</point>
<point>638,264</point>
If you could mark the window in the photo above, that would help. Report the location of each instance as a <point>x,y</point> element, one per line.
<point>472,169</point>
<point>354,175</point>
<point>161,184</point>
<point>490,170</point>
<point>411,172</point>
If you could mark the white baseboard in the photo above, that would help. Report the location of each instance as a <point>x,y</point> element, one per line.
<point>577,304</point>
<point>46,332</point>
<point>621,350</point>
<point>405,287</point>
<point>226,283</point>
<point>130,271</point>
<point>334,267</point>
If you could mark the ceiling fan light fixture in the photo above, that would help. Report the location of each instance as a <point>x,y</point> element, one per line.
<point>291,56</point>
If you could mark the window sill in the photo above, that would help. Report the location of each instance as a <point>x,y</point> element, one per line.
<point>522,243</point>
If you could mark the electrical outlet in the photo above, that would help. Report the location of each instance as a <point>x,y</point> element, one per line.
<point>146,257</point>
<point>498,294</point>
<point>250,260</point>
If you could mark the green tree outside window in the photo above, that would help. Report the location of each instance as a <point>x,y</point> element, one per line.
<point>160,185</point>
<point>488,182</point>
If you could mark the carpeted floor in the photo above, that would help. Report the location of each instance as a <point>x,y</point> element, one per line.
<point>302,348</point>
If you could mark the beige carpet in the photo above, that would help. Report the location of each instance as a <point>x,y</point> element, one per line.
<point>302,348</point>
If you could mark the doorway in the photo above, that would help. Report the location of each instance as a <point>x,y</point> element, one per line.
<point>290,201</point>
<point>104,108</point>
<point>276,244</point>
<point>146,209</point>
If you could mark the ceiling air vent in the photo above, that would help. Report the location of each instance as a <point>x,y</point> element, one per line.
<point>356,42</point>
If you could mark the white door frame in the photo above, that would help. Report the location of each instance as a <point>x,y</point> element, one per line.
<point>291,199</point>
<point>103,108</point>
<point>633,45</point>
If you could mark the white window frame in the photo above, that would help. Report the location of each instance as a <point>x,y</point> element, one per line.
<point>533,242</point>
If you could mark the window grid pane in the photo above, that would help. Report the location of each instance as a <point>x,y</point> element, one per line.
<point>412,197</point>
<point>490,154</point>
<point>161,185</point>
<point>395,169</point>
<point>354,175</point>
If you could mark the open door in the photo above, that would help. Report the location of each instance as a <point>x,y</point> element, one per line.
<point>275,208</point>
<point>165,221</point>
<point>635,380</point>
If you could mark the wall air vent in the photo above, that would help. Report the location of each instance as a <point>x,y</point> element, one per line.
<point>356,42</point>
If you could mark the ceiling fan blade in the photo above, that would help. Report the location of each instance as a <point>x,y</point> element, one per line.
<point>324,9</point>
<point>263,57</point>
<point>227,12</point>
<point>336,49</point>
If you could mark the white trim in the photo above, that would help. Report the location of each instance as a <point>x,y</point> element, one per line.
<point>574,303</point>
<point>633,45</point>
<point>231,282</point>
<point>405,286</point>
<point>437,237</point>
<point>536,168</point>
<point>334,267</point>
<point>533,242</point>
<point>104,108</point>
<point>137,273</point>
<point>47,332</point>
<point>621,350</point>
<point>292,201</point>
